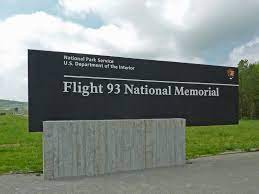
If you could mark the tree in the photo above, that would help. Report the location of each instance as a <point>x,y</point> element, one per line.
<point>248,89</point>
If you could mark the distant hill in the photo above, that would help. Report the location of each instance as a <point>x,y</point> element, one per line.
<point>10,106</point>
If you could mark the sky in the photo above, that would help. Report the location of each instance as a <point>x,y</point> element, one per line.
<point>217,32</point>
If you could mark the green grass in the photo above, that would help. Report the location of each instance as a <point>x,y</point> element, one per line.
<point>216,139</point>
<point>21,151</point>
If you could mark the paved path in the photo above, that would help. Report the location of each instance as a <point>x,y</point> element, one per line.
<point>237,173</point>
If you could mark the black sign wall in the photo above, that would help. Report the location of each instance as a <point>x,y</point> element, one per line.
<point>69,86</point>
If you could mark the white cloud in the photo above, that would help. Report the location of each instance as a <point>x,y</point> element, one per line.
<point>118,11</point>
<point>46,32</point>
<point>175,11</point>
<point>175,30</point>
<point>249,51</point>
<point>160,25</point>
<point>192,26</point>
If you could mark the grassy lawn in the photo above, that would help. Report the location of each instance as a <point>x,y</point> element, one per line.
<point>21,151</point>
<point>217,139</point>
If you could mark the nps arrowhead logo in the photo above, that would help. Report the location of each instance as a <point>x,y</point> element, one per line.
<point>231,73</point>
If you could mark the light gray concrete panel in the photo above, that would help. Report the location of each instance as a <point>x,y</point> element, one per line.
<point>95,147</point>
<point>48,158</point>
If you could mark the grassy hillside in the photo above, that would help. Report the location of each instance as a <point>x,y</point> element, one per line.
<point>9,106</point>
<point>21,151</point>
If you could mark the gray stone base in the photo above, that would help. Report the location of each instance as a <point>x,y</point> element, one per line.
<point>95,147</point>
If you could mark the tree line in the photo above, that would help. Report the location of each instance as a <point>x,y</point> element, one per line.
<point>248,90</point>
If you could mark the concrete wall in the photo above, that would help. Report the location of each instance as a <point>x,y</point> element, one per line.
<point>89,148</point>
